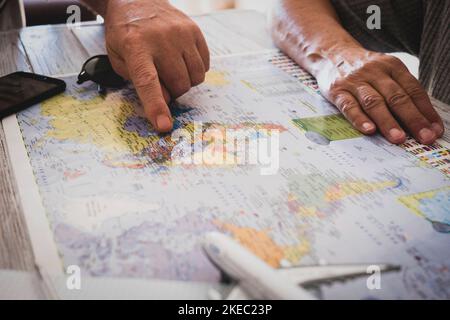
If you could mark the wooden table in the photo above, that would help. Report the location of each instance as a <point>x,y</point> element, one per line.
<point>12,15</point>
<point>57,50</point>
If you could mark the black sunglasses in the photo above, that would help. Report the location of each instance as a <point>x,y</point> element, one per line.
<point>98,69</point>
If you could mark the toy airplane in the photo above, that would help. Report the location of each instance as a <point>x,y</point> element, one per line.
<point>256,280</point>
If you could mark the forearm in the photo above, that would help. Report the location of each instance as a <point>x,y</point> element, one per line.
<point>99,6</point>
<point>372,90</point>
<point>311,34</point>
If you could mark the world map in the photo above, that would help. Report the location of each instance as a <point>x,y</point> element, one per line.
<point>119,205</point>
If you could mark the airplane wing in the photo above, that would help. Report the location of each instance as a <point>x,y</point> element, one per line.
<point>316,275</point>
<point>311,276</point>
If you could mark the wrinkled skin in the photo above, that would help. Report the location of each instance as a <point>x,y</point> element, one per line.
<point>372,90</point>
<point>158,48</point>
<point>375,90</point>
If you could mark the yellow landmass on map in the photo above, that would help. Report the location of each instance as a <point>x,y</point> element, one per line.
<point>95,121</point>
<point>413,201</point>
<point>248,85</point>
<point>317,200</point>
<point>310,211</point>
<point>351,188</point>
<point>295,253</point>
<point>303,210</point>
<point>260,243</point>
<point>105,123</point>
<point>216,78</point>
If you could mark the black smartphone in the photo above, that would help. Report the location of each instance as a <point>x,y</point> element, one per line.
<point>20,90</point>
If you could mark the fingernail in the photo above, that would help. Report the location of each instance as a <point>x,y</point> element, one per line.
<point>367,126</point>
<point>396,134</point>
<point>426,135</point>
<point>163,123</point>
<point>437,128</point>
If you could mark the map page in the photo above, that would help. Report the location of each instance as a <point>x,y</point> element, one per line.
<point>123,201</point>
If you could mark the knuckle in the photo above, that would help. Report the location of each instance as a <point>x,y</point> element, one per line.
<point>394,64</point>
<point>163,27</point>
<point>191,25</point>
<point>131,39</point>
<point>179,28</point>
<point>180,87</point>
<point>142,77</point>
<point>344,103</point>
<point>393,60</point>
<point>371,101</point>
<point>198,78</point>
<point>372,65</point>
<point>397,99</point>
<point>336,88</point>
<point>416,91</point>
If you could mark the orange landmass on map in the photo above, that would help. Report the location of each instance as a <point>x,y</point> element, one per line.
<point>257,241</point>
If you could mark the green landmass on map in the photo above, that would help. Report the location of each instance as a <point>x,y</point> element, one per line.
<point>333,127</point>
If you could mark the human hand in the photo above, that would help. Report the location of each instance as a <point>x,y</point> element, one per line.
<point>158,48</point>
<point>376,91</point>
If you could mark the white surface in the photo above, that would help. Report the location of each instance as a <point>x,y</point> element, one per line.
<point>17,285</point>
<point>41,236</point>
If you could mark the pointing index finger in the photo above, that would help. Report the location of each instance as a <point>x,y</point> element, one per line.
<point>145,79</point>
